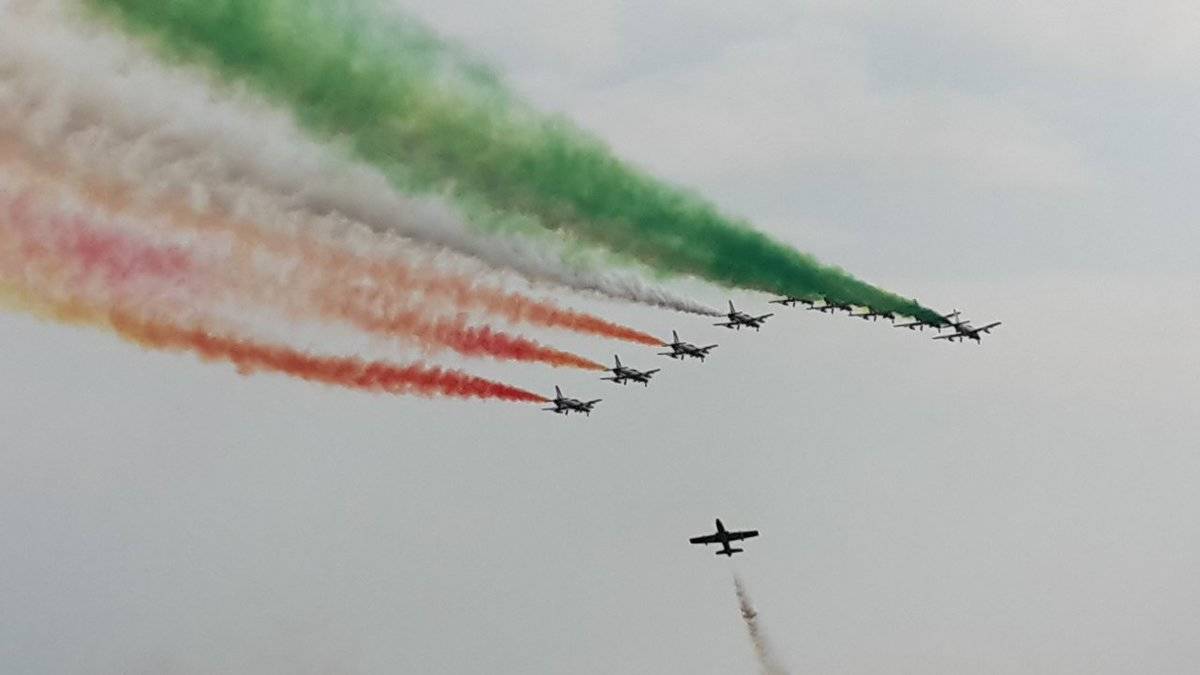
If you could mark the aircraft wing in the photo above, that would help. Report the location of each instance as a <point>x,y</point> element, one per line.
<point>651,372</point>
<point>948,337</point>
<point>613,379</point>
<point>728,324</point>
<point>592,403</point>
<point>764,316</point>
<point>708,348</point>
<point>745,534</point>
<point>988,327</point>
<point>706,539</point>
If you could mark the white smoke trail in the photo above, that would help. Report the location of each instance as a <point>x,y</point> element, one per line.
<point>762,649</point>
<point>73,87</point>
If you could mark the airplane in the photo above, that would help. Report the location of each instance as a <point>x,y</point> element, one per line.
<point>791,301</point>
<point>920,324</point>
<point>833,306</point>
<point>874,315</point>
<point>965,331</point>
<point>738,319</point>
<point>623,374</point>
<point>682,350</point>
<point>566,406</point>
<point>723,537</point>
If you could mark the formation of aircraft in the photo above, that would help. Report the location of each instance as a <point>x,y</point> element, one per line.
<point>738,319</point>
<point>681,350</point>
<point>566,406</point>
<point>624,374</point>
<point>723,537</point>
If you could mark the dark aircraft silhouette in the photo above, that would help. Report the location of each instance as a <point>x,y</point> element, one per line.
<point>624,374</point>
<point>723,537</point>
<point>874,315</point>
<point>831,307</point>
<point>738,319</point>
<point>682,350</point>
<point>791,301</point>
<point>920,324</point>
<point>566,406</point>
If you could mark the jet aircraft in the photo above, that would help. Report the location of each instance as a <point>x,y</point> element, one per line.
<point>682,350</point>
<point>566,406</point>
<point>738,319</point>
<point>920,324</point>
<point>723,537</point>
<point>874,315</point>
<point>831,307</point>
<point>625,374</point>
<point>965,331</point>
<point>792,300</point>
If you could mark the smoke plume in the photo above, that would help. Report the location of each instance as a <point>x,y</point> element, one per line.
<point>767,660</point>
<point>431,120</point>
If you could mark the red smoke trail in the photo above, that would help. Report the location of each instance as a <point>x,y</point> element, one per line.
<point>452,332</point>
<point>352,373</point>
<point>250,356</point>
<point>397,281</point>
<point>116,260</point>
<point>71,250</point>
<point>59,267</point>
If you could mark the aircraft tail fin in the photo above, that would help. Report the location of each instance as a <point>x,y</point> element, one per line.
<point>731,309</point>
<point>730,552</point>
<point>618,360</point>
<point>675,334</point>
<point>557,391</point>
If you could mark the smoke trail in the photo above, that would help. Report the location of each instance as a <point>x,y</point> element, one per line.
<point>85,254</point>
<point>60,80</point>
<point>431,120</point>
<point>107,278</point>
<point>250,357</point>
<point>762,649</point>
<point>396,283</point>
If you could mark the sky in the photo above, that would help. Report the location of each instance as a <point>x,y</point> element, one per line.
<point>1024,506</point>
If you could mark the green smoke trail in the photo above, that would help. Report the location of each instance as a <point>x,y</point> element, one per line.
<point>432,119</point>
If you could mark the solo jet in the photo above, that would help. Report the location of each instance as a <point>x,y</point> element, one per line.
<point>965,331</point>
<point>566,406</point>
<point>624,374</point>
<point>682,350</point>
<point>738,319</point>
<point>791,301</point>
<point>723,537</point>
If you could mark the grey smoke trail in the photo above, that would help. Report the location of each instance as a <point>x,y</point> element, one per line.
<point>66,85</point>
<point>762,649</point>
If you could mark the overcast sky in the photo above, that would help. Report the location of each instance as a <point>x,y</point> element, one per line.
<point>1028,506</point>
